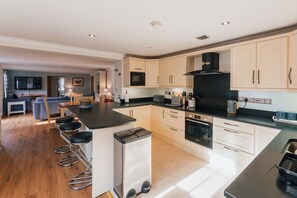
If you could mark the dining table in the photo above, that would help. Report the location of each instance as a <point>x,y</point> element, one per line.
<point>63,106</point>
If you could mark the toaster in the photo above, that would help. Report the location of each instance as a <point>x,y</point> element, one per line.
<point>158,98</point>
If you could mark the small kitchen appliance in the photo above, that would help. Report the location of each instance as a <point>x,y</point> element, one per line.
<point>232,106</point>
<point>158,98</point>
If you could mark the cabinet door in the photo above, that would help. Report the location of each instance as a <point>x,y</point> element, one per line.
<point>165,72</point>
<point>179,68</point>
<point>272,58</point>
<point>174,134</point>
<point>263,137</point>
<point>243,66</point>
<point>292,82</point>
<point>152,73</point>
<point>157,119</point>
<point>143,117</point>
<point>137,65</point>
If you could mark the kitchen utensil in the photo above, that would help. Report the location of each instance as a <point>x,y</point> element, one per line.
<point>288,167</point>
<point>281,115</point>
<point>291,116</point>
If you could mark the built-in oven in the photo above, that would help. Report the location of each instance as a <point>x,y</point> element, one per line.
<point>137,79</point>
<point>199,129</point>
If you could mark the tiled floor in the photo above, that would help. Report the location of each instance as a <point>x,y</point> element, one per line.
<point>179,174</point>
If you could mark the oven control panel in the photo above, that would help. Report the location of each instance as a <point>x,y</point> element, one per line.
<point>200,117</point>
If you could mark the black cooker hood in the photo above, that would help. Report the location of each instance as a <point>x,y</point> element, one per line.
<point>210,65</point>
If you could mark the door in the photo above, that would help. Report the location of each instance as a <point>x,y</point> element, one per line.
<point>152,73</point>
<point>272,58</point>
<point>92,84</point>
<point>143,117</point>
<point>263,137</point>
<point>178,69</point>
<point>243,66</point>
<point>165,72</point>
<point>292,76</point>
<point>158,116</point>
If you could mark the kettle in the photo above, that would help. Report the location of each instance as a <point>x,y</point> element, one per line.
<point>232,106</point>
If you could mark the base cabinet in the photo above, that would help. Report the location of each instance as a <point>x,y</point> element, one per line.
<point>142,115</point>
<point>263,136</point>
<point>157,120</point>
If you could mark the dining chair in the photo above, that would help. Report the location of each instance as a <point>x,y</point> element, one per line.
<point>75,97</point>
<point>47,112</point>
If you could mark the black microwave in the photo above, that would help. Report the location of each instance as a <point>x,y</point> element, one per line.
<point>137,79</point>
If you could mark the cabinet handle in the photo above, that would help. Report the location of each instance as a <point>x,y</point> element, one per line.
<point>231,149</point>
<point>163,114</point>
<point>258,76</point>
<point>253,76</point>
<point>132,113</point>
<point>137,68</point>
<point>174,116</point>
<point>157,79</point>
<point>173,112</point>
<point>227,130</point>
<point>169,79</point>
<point>290,72</point>
<point>173,129</point>
<point>231,124</point>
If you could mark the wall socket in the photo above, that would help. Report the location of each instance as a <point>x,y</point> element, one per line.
<point>256,100</point>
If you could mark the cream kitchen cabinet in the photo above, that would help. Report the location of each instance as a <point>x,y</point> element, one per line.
<point>243,66</point>
<point>260,65</point>
<point>152,73</point>
<point>172,72</point>
<point>132,65</point>
<point>142,115</point>
<point>292,76</point>
<point>263,136</point>
<point>158,116</point>
<point>174,125</point>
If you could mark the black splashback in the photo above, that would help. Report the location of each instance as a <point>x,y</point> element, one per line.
<point>213,91</point>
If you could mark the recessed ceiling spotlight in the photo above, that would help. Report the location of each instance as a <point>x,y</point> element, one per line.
<point>26,64</point>
<point>149,47</point>
<point>92,35</point>
<point>156,25</point>
<point>202,37</point>
<point>21,55</point>
<point>225,23</point>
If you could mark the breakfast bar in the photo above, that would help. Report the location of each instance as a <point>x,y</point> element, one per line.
<point>103,122</point>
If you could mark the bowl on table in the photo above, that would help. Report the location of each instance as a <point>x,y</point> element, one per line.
<point>85,102</point>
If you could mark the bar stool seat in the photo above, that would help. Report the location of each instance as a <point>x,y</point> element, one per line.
<point>81,137</point>
<point>72,126</point>
<point>66,119</point>
<point>83,179</point>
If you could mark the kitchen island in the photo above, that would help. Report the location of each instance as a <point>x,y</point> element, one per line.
<point>103,122</point>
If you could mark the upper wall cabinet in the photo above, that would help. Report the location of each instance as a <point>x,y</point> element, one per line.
<point>172,72</point>
<point>260,65</point>
<point>243,66</point>
<point>292,75</point>
<point>152,72</point>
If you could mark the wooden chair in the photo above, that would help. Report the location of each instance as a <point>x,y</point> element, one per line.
<point>47,112</point>
<point>75,97</point>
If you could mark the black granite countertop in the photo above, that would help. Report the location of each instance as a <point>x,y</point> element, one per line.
<point>100,116</point>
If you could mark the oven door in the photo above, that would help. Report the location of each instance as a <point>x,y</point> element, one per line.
<point>199,132</point>
<point>137,79</point>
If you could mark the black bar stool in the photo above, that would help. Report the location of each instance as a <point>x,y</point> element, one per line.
<point>65,148</point>
<point>83,179</point>
<point>66,131</point>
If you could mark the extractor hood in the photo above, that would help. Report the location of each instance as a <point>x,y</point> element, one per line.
<point>210,65</point>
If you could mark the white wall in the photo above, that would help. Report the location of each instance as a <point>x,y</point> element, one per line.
<point>118,79</point>
<point>286,101</point>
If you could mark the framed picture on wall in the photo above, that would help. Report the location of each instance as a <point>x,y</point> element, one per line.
<point>77,81</point>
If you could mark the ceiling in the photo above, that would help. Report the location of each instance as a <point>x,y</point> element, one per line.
<point>123,27</point>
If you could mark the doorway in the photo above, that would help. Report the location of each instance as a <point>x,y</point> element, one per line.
<point>55,86</point>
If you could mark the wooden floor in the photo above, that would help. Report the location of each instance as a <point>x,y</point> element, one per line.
<point>28,164</point>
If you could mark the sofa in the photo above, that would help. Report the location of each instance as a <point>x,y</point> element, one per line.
<point>15,98</point>
<point>39,111</point>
